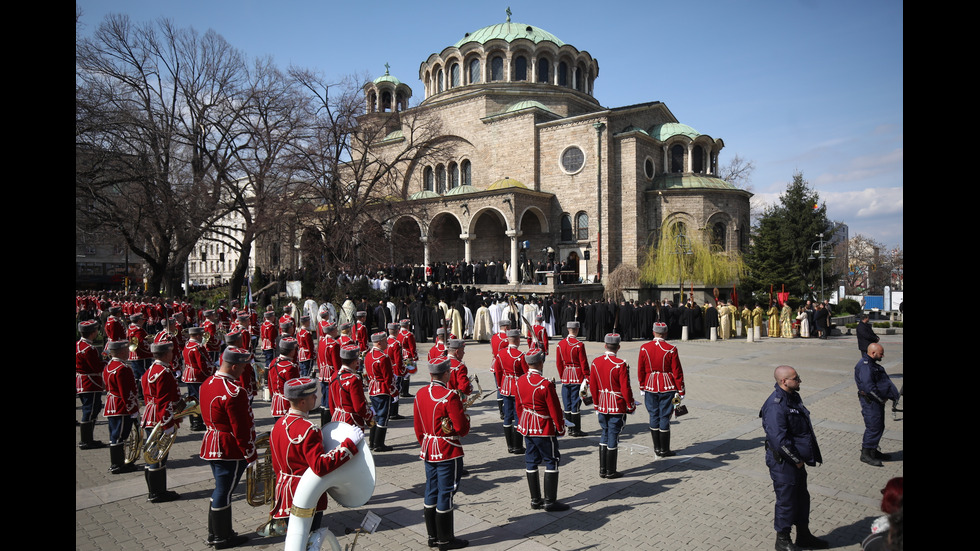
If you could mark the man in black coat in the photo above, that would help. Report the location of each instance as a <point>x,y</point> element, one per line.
<point>865,334</point>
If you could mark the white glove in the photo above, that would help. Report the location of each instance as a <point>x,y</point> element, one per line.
<point>358,435</point>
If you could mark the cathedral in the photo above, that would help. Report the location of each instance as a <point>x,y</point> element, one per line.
<point>525,162</point>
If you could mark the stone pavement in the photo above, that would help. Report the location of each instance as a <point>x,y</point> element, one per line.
<point>716,494</point>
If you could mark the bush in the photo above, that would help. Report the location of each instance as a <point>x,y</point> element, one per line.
<point>896,324</point>
<point>882,324</point>
<point>852,325</point>
<point>849,306</point>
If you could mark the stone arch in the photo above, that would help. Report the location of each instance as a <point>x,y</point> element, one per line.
<point>443,238</point>
<point>719,231</point>
<point>406,237</point>
<point>542,219</point>
<point>489,227</point>
<point>372,244</point>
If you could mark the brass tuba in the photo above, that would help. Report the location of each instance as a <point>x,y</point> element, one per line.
<point>133,446</point>
<point>446,424</point>
<point>260,477</point>
<point>158,443</point>
<point>351,485</point>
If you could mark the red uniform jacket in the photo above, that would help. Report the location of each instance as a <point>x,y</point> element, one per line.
<point>296,445</point>
<point>377,365</point>
<point>120,386</point>
<point>432,404</point>
<point>211,329</point>
<point>143,350</point>
<point>409,348</point>
<point>610,382</point>
<point>267,335</point>
<point>281,370</point>
<point>437,351</point>
<point>328,357</point>
<point>395,354</point>
<point>459,377</point>
<point>541,332</point>
<point>511,365</point>
<point>304,340</point>
<point>347,403</point>
<point>160,391</point>
<point>230,425</point>
<point>360,336</point>
<point>539,412</point>
<point>197,366</point>
<point>660,368</point>
<point>88,368</point>
<point>573,364</point>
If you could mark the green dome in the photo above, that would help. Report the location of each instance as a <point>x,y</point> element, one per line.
<point>667,130</point>
<point>460,190</point>
<point>424,194</point>
<point>525,105</point>
<point>690,181</point>
<point>509,32</point>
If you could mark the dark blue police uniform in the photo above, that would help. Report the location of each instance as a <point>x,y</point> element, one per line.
<point>874,389</point>
<point>789,442</point>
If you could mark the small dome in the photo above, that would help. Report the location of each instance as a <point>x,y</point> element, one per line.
<point>690,181</point>
<point>460,190</point>
<point>525,105</point>
<point>506,183</point>
<point>510,32</point>
<point>424,194</point>
<point>665,131</point>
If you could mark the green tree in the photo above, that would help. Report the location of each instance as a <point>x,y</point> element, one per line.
<point>679,259</point>
<point>784,240</point>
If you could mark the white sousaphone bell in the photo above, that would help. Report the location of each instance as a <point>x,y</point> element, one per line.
<point>351,485</point>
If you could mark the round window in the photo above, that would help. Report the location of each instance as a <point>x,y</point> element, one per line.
<point>572,160</point>
<point>649,168</point>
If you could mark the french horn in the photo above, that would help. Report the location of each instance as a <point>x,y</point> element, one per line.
<point>133,446</point>
<point>351,485</point>
<point>260,477</point>
<point>158,443</point>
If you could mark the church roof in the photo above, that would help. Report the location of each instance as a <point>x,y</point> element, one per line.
<point>460,190</point>
<point>510,32</point>
<point>690,181</point>
<point>424,194</point>
<point>526,104</point>
<point>669,129</point>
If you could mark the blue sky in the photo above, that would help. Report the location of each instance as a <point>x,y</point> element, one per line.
<point>811,86</point>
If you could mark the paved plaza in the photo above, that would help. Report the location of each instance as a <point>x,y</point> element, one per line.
<point>715,494</point>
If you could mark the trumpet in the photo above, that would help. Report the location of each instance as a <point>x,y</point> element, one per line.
<point>260,478</point>
<point>158,443</point>
<point>446,424</point>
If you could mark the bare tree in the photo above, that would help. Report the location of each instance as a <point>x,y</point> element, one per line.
<point>350,178</point>
<point>738,172</point>
<point>155,136</point>
<point>871,265</point>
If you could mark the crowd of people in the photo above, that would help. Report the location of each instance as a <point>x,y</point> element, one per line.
<point>361,357</point>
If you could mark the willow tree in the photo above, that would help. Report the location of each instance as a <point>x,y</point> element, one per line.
<point>679,258</point>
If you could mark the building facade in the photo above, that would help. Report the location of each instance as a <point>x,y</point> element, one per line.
<point>525,158</point>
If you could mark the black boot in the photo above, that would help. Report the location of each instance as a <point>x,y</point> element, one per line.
<point>430,525</point>
<point>806,540</point>
<point>224,536</point>
<point>404,390</point>
<point>611,457</point>
<point>551,502</point>
<point>784,542</point>
<point>86,430</point>
<point>372,437</point>
<point>394,412</point>
<point>881,456</point>
<point>379,444</point>
<point>665,444</point>
<point>867,456</point>
<point>534,484</point>
<point>445,534</point>
<point>509,438</point>
<point>500,406</point>
<point>577,419</point>
<point>117,460</point>
<point>197,423</point>
<point>657,446</point>
<point>518,441</point>
<point>156,486</point>
<point>602,461</point>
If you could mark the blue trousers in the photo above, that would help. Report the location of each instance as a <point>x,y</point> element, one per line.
<point>611,425</point>
<point>792,496</point>
<point>441,483</point>
<point>660,407</point>
<point>571,398</point>
<point>382,407</point>
<point>227,475</point>
<point>541,449</point>
<point>91,405</point>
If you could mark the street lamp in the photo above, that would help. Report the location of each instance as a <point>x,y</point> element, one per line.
<point>818,248</point>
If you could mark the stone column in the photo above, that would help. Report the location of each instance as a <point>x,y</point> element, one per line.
<point>425,256</point>
<point>467,245</point>
<point>514,253</point>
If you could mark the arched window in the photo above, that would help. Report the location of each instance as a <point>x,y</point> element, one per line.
<point>439,81</point>
<point>385,101</point>
<point>427,179</point>
<point>563,74</point>
<point>697,161</point>
<point>566,227</point>
<point>582,226</point>
<point>497,69</point>
<point>453,176</point>
<point>440,179</point>
<point>372,102</point>
<point>520,68</point>
<point>465,173</point>
<point>454,75</point>
<point>543,70</point>
<point>475,71</point>
<point>677,158</point>
<point>580,78</point>
<point>718,236</point>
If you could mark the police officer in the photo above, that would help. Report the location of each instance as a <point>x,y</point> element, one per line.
<point>790,446</point>
<point>874,389</point>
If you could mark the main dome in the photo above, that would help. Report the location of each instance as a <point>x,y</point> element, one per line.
<point>509,32</point>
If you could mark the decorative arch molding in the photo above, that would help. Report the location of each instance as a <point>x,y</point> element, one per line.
<point>537,212</point>
<point>501,216</point>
